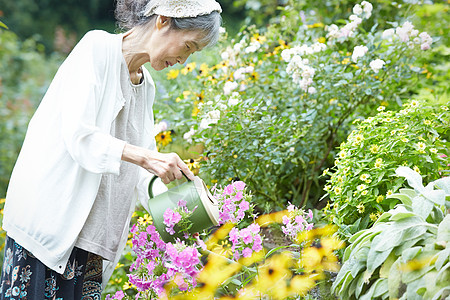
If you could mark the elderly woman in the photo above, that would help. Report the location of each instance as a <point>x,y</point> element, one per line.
<point>89,151</point>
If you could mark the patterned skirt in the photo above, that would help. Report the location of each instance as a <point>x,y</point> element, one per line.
<point>25,277</point>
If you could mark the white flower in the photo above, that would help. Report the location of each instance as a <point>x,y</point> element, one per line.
<point>234,99</point>
<point>358,52</point>
<point>211,117</point>
<point>311,90</point>
<point>222,30</point>
<point>376,65</point>
<point>253,47</point>
<point>414,32</point>
<point>367,7</point>
<point>161,126</point>
<point>357,9</point>
<point>357,20</point>
<point>333,31</point>
<point>225,55</point>
<point>388,33</point>
<point>286,54</point>
<point>188,135</point>
<point>426,41</point>
<point>229,87</point>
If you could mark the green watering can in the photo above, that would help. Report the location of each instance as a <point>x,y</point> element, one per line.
<point>196,194</point>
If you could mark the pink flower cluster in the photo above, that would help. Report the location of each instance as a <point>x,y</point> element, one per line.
<point>171,218</point>
<point>233,204</point>
<point>160,262</point>
<point>296,221</point>
<point>245,241</point>
<point>182,262</point>
<point>149,249</point>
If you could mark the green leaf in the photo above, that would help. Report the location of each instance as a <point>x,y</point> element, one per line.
<point>442,257</point>
<point>395,280</point>
<point>405,199</point>
<point>410,253</point>
<point>3,25</point>
<point>386,266</point>
<point>443,234</point>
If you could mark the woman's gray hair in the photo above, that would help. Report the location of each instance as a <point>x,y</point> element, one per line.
<point>130,13</point>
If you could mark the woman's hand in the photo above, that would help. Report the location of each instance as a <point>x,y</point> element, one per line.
<point>167,166</point>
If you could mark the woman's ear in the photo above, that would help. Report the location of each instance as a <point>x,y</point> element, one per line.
<point>162,21</point>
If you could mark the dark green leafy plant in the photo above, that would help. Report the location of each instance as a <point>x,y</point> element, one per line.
<point>364,173</point>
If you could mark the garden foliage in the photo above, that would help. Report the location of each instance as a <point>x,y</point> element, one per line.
<point>363,176</point>
<point>405,254</point>
<point>281,100</point>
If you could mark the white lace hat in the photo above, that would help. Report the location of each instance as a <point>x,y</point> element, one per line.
<point>181,8</point>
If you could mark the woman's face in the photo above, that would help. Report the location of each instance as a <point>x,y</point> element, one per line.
<point>166,47</point>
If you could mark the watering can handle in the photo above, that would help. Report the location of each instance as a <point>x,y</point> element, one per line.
<point>150,185</point>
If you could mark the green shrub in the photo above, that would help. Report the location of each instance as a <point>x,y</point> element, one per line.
<point>274,110</point>
<point>364,171</point>
<point>405,255</point>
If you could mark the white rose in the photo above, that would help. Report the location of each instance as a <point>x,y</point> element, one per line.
<point>367,7</point>
<point>225,55</point>
<point>229,87</point>
<point>312,90</point>
<point>377,64</point>
<point>188,135</point>
<point>358,52</point>
<point>388,33</point>
<point>357,9</point>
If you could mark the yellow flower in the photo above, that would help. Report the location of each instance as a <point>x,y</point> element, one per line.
<point>164,138</point>
<point>415,168</point>
<point>186,94</point>
<point>145,219</point>
<point>364,192</point>
<point>427,122</point>
<point>380,198</point>
<point>321,40</point>
<point>193,164</point>
<point>374,148</point>
<point>204,70</point>
<point>127,285</point>
<point>389,192</point>
<point>316,25</point>
<point>405,140</point>
<point>444,107</point>
<point>258,38</point>
<point>189,68</point>
<point>223,248</point>
<point>337,190</point>
<point>254,76</point>
<point>173,73</point>
<point>360,208</point>
<point>325,172</point>
<point>342,154</point>
<point>373,217</point>
<point>381,108</point>
<point>364,177</point>
<point>346,61</point>
<point>433,150</point>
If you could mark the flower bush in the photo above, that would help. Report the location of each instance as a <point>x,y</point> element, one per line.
<point>280,101</point>
<point>364,173</point>
<point>405,255</point>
